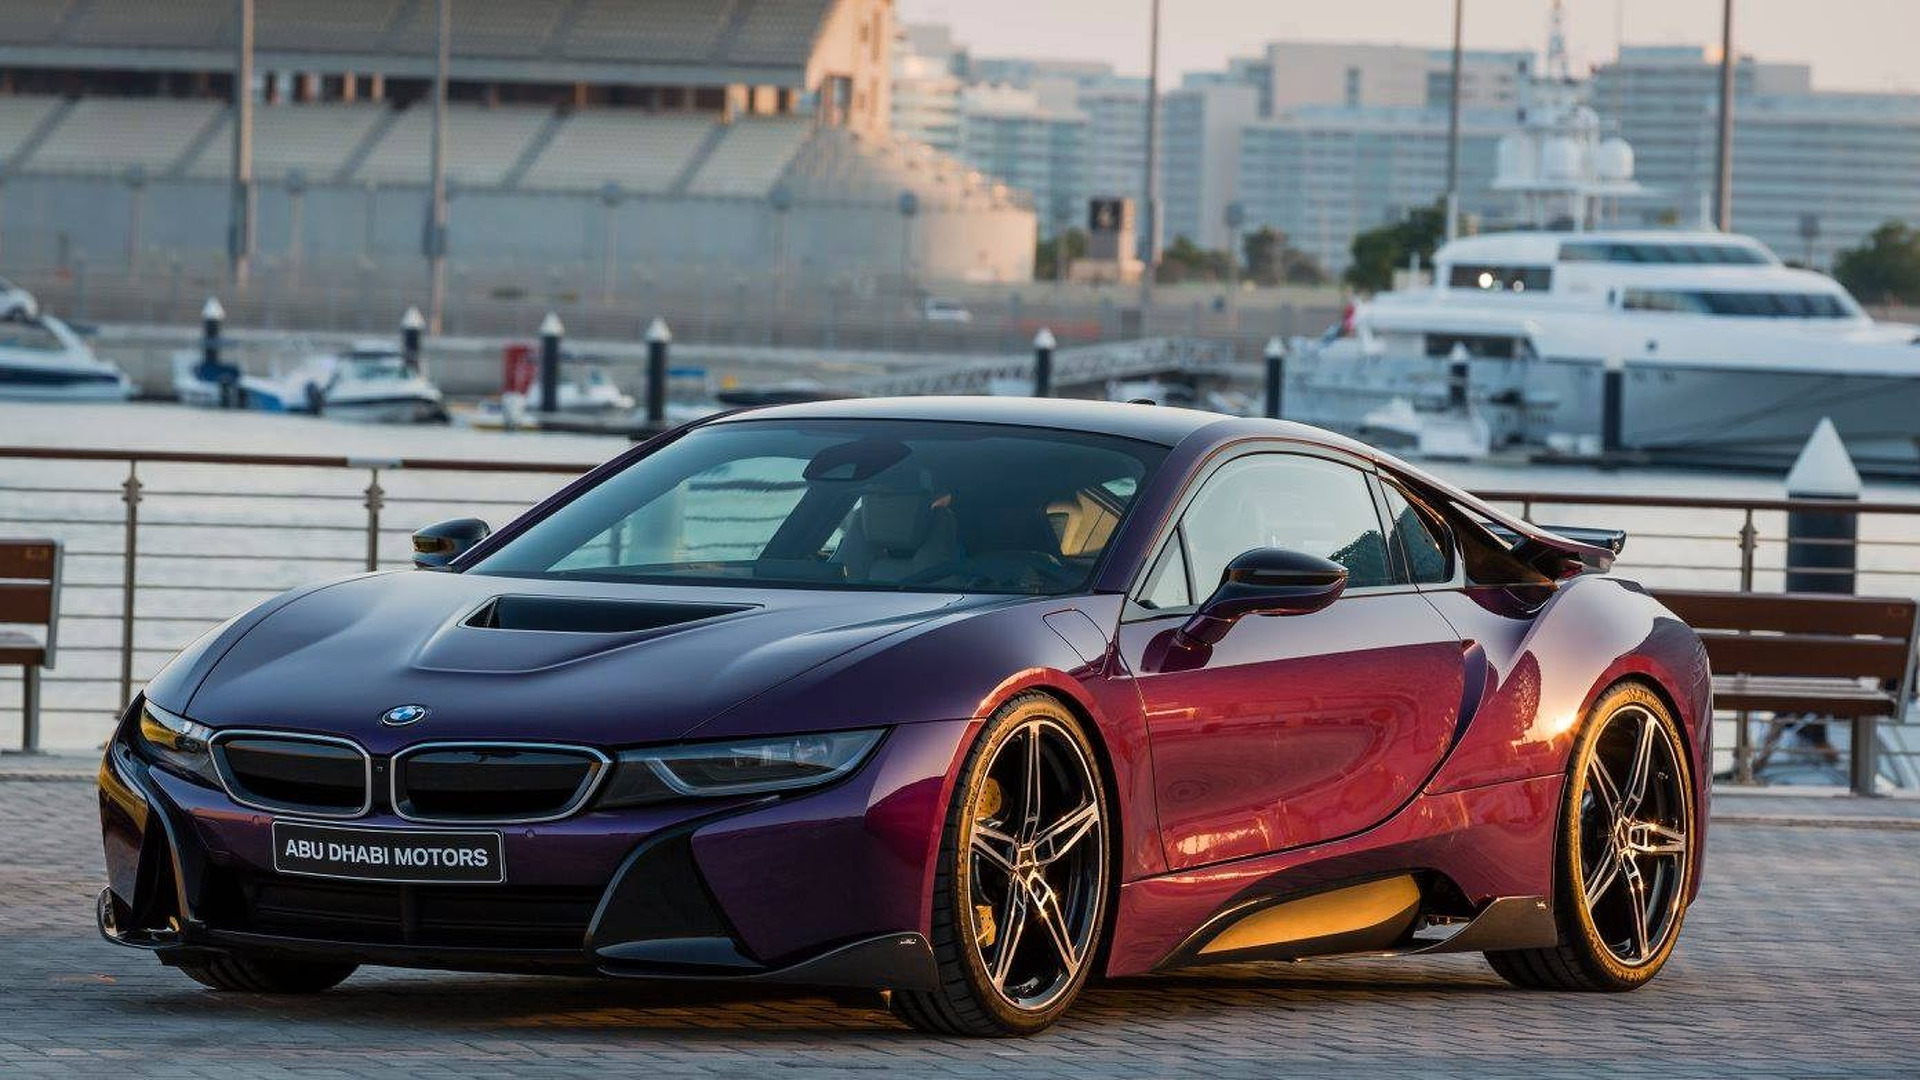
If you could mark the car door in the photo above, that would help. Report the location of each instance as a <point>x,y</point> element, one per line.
<point>1291,730</point>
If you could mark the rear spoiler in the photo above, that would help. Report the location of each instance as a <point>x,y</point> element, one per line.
<point>1591,549</point>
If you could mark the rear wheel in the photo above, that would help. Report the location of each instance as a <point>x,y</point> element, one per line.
<point>1625,859</point>
<point>268,975</point>
<point>1020,896</point>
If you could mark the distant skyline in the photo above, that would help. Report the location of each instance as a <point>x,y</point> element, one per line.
<point>1850,44</point>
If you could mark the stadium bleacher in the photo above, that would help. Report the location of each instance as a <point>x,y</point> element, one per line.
<point>684,30</point>
<point>312,140</point>
<point>750,157</point>
<point>148,24</point>
<point>482,144</point>
<point>117,134</point>
<point>359,25</point>
<point>20,117</point>
<point>643,154</point>
<point>524,28</point>
<point>769,32</point>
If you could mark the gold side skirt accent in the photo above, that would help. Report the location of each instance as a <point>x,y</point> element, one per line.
<point>1388,904</point>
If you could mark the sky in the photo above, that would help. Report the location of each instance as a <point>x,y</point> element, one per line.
<point>1851,44</point>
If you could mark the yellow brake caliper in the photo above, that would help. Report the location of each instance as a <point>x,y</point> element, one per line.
<point>986,807</point>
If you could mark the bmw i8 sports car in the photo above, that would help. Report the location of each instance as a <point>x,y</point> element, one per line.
<point>966,700</point>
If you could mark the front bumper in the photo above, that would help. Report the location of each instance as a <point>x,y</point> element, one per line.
<point>830,887</point>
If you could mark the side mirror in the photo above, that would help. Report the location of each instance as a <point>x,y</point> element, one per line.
<point>1265,581</point>
<point>435,546</point>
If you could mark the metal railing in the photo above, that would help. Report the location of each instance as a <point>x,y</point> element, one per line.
<point>163,545</point>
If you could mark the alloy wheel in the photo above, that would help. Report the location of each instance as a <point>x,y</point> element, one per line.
<point>1038,864</point>
<point>1635,834</point>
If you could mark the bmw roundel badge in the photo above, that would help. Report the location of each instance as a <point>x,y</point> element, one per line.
<point>402,715</point>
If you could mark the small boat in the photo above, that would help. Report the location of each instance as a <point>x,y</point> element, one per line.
<point>583,390</point>
<point>372,381</point>
<point>42,359</point>
<point>369,381</point>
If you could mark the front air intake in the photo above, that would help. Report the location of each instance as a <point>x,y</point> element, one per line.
<point>494,783</point>
<point>590,616</point>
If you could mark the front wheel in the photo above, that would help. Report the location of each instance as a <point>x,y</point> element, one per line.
<point>1020,896</point>
<point>1624,864</point>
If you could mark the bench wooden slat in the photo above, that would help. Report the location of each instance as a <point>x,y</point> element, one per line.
<point>31,560</point>
<point>18,648</point>
<point>1816,655</point>
<point>1825,697</point>
<point>26,602</point>
<point>1804,613</point>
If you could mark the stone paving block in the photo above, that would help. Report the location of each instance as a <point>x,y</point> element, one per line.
<point>1800,960</point>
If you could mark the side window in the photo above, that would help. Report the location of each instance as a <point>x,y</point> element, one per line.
<point>1422,540</point>
<point>1167,585</point>
<point>1287,501</point>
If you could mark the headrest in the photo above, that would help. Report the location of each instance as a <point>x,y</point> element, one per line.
<point>897,521</point>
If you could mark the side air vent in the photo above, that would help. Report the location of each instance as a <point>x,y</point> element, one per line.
<point>590,616</point>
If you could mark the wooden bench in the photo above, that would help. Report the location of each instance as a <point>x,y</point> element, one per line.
<point>1845,657</point>
<point>30,596</point>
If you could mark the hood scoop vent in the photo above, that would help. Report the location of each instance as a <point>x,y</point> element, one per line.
<point>572,615</point>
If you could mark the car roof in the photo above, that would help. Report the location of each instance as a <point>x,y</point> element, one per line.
<point>1160,424</point>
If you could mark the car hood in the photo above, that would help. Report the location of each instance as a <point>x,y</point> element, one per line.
<point>515,658</point>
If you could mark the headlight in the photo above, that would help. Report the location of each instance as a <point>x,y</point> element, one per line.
<point>177,743</point>
<point>736,767</point>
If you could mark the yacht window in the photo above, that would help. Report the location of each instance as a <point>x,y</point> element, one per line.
<point>1765,305</point>
<point>1500,278</point>
<point>29,335</point>
<point>1701,253</point>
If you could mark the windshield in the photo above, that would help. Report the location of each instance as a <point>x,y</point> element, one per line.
<point>905,505</point>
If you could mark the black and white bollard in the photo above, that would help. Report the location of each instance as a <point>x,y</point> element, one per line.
<point>1276,355</point>
<point>550,334</point>
<point>1043,344</point>
<point>659,340</point>
<point>1613,407</point>
<point>1822,549</point>
<point>412,324</point>
<point>212,317</point>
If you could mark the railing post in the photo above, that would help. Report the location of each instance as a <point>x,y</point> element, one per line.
<point>376,500</point>
<point>1743,722</point>
<point>130,547</point>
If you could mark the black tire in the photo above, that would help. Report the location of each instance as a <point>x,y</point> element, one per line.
<point>241,973</point>
<point>971,999</point>
<point>1604,945</point>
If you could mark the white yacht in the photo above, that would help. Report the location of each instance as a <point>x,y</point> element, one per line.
<point>1726,352</point>
<point>42,359</point>
<point>372,381</point>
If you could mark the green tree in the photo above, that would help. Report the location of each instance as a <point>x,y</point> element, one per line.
<point>1272,260</point>
<point>1051,258</point>
<point>1184,260</point>
<point>1885,269</point>
<point>1377,253</point>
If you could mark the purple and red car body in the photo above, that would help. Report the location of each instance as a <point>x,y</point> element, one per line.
<point>488,767</point>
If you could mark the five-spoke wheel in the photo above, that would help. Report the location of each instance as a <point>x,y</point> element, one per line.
<point>1023,882</point>
<point>1625,862</point>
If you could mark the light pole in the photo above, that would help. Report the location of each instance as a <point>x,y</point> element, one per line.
<point>1453,130</point>
<point>436,239</point>
<point>241,209</point>
<point>1723,158</point>
<point>1152,209</point>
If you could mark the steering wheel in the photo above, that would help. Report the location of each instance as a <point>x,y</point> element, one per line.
<point>1008,566</point>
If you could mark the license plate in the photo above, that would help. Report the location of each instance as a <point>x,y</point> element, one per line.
<point>418,856</point>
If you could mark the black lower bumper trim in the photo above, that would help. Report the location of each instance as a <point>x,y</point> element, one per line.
<point>887,962</point>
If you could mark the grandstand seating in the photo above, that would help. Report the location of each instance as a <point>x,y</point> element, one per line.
<point>150,24</point>
<point>312,139</point>
<point>522,28</point>
<point>643,153</point>
<point>315,25</point>
<point>482,144</point>
<point>33,21</point>
<point>775,31</point>
<point>20,117</point>
<point>111,135</point>
<point>750,157</point>
<point>674,30</point>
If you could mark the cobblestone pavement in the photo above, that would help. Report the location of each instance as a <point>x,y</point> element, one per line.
<point>1800,960</point>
